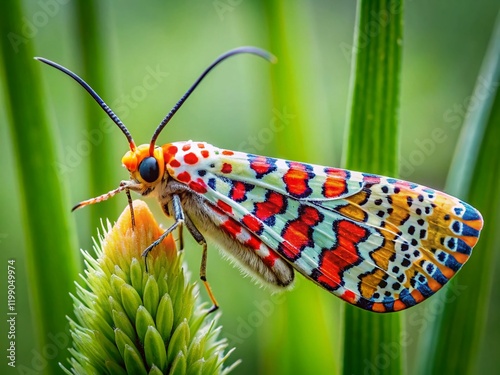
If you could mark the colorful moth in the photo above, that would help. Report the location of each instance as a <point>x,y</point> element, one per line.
<point>379,243</point>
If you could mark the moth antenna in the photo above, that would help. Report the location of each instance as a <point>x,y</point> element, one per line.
<point>96,97</point>
<point>101,198</point>
<point>253,50</point>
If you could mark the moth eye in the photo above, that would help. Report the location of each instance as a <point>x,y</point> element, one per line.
<point>149,170</point>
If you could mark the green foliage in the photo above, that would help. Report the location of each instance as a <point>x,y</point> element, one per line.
<point>474,177</point>
<point>52,259</point>
<point>91,43</point>
<point>372,146</point>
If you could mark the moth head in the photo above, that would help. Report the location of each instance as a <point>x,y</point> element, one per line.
<point>144,167</point>
<point>146,162</point>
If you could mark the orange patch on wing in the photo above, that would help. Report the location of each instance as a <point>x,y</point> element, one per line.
<point>417,296</point>
<point>433,284</point>
<point>335,183</point>
<point>296,179</point>
<point>378,307</point>
<point>370,282</point>
<point>475,224</point>
<point>398,305</point>
<point>460,258</point>
<point>353,212</point>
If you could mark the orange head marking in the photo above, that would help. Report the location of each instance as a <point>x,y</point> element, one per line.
<point>142,167</point>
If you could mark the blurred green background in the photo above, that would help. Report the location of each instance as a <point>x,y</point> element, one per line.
<point>152,52</point>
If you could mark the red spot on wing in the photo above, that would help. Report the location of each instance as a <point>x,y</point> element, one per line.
<point>234,229</point>
<point>224,206</point>
<point>191,158</point>
<point>343,255</point>
<point>198,186</point>
<point>217,210</point>
<point>201,145</point>
<point>256,244</point>
<point>403,185</point>
<point>336,182</point>
<point>205,153</point>
<point>253,243</point>
<point>271,258</point>
<point>252,223</point>
<point>371,179</point>
<point>174,163</point>
<point>349,296</point>
<point>231,227</point>
<point>172,150</point>
<point>169,152</point>
<point>238,191</point>
<point>227,152</point>
<point>296,179</point>
<point>226,168</point>
<point>298,233</point>
<point>184,177</point>
<point>274,204</point>
<point>186,147</point>
<point>262,165</point>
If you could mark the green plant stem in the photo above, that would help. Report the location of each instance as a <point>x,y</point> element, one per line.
<point>282,356</point>
<point>284,85</point>
<point>50,238</point>
<point>372,146</point>
<point>103,163</point>
<point>474,176</point>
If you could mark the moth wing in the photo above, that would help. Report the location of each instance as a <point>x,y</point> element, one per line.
<point>382,244</point>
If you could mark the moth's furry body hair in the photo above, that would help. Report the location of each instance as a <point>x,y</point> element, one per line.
<point>203,216</point>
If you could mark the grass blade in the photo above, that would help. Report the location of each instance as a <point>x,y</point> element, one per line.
<point>372,146</point>
<point>307,300</point>
<point>474,177</point>
<point>284,85</point>
<point>51,246</point>
<point>103,165</point>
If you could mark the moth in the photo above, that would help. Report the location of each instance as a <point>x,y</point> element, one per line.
<point>379,243</point>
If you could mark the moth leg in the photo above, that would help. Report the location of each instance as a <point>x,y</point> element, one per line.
<point>132,216</point>
<point>179,222</point>
<point>129,199</point>
<point>175,206</point>
<point>203,267</point>
<point>179,217</point>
